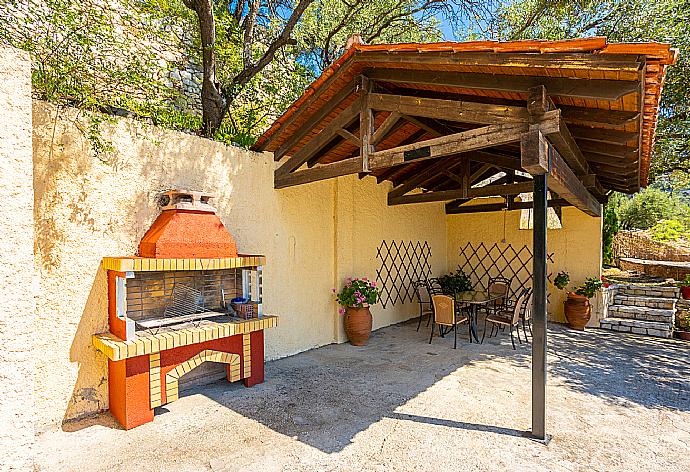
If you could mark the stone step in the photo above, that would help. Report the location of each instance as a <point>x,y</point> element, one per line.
<point>648,291</point>
<point>649,328</point>
<point>649,302</point>
<point>642,313</point>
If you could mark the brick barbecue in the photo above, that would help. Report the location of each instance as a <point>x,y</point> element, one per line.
<point>171,309</point>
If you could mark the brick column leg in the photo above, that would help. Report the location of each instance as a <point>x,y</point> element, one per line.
<point>257,359</point>
<point>129,391</point>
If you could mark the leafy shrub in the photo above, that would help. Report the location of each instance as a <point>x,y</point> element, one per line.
<point>668,230</point>
<point>454,282</point>
<point>646,208</point>
<point>610,230</point>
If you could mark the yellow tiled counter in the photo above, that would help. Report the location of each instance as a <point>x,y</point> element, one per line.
<point>143,264</point>
<point>116,349</point>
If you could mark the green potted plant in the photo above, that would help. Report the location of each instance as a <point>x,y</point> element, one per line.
<point>355,298</point>
<point>685,287</point>
<point>577,307</point>
<point>455,282</point>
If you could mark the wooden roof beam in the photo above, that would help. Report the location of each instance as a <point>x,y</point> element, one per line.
<point>490,207</point>
<point>321,172</point>
<point>451,110</point>
<point>602,135</point>
<point>474,192</point>
<point>552,60</point>
<point>448,145</point>
<point>538,157</point>
<point>590,116</point>
<point>594,89</point>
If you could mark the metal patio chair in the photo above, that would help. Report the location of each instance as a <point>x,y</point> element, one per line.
<point>510,318</point>
<point>447,317</point>
<point>423,295</point>
<point>500,286</point>
<point>526,315</point>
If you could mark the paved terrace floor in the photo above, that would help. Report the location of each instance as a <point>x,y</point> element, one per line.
<point>616,402</point>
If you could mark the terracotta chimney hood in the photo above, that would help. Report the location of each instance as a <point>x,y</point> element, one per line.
<point>188,227</point>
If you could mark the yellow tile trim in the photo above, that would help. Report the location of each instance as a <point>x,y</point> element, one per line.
<point>138,264</point>
<point>246,350</point>
<point>155,379</point>
<point>208,355</point>
<point>116,349</point>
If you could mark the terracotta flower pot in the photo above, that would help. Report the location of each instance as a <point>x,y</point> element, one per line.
<point>685,292</point>
<point>358,325</point>
<point>578,311</point>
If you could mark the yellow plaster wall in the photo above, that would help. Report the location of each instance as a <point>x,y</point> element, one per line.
<point>88,207</point>
<point>576,247</point>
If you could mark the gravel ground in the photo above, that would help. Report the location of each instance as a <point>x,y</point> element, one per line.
<point>615,402</point>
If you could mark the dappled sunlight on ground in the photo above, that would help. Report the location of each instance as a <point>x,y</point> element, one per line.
<point>616,402</point>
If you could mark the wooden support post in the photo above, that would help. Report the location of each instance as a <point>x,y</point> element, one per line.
<point>539,250</point>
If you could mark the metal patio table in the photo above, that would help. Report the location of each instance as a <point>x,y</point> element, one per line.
<point>474,298</point>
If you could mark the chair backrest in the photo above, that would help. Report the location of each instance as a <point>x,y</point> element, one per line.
<point>444,309</point>
<point>521,300</point>
<point>421,291</point>
<point>434,287</point>
<point>499,286</point>
<point>527,308</point>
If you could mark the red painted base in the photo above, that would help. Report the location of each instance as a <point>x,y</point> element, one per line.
<point>129,382</point>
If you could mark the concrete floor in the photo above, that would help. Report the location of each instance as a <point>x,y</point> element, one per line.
<point>615,402</point>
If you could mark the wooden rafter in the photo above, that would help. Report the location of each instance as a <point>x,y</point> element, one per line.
<point>488,207</point>
<point>385,128</point>
<point>320,140</point>
<point>313,121</point>
<point>474,192</point>
<point>321,172</point>
<point>596,89</point>
<point>451,110</point>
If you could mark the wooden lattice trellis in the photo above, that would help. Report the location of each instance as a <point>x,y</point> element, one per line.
<point>481,263</point>
<point>402,262</point>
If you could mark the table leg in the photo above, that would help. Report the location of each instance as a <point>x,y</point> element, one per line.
<point>473,322</point>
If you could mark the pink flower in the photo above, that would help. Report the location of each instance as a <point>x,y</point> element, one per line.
<point>373,284</point>
<point>365,279</point>
<point>333,290</point>
<point>341,311</point>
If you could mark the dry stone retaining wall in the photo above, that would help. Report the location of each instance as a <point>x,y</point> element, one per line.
<point>638,245</point>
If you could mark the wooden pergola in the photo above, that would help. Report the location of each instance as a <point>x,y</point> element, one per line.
<point>452,122</point>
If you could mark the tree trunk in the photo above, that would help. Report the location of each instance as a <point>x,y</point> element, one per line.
<point>212,99</point>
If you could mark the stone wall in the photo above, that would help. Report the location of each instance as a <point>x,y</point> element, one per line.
<point>165,46</point>
<point>17,316</point>
<point>638,245</point>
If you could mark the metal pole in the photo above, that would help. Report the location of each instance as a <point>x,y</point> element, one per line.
<point>539,309</point>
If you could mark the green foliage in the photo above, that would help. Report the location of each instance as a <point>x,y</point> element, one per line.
<point>358,293</point>
<point>622,20</point>
<point>609,232</point>
<point>644,209</point>
<point>590,286</point>
<point>561,280</point>
<point>455,282</point>
<point>685,282</point>
<point>669,230</point>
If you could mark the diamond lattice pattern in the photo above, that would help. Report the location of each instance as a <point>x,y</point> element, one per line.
<point>402,262</point>
<point>481,262</point>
